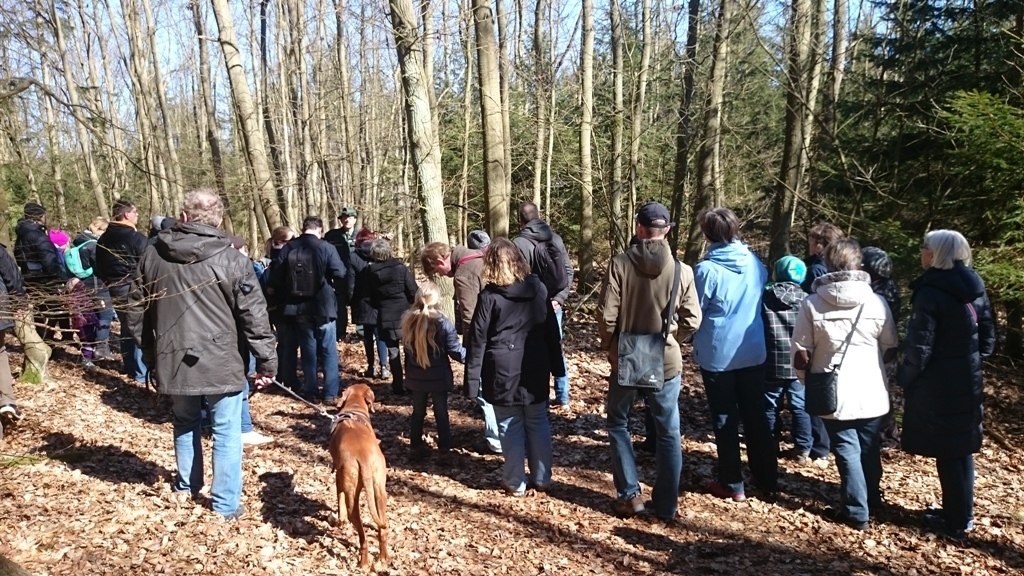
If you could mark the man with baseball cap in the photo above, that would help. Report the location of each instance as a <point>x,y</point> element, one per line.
<point>636,294</point>
<point>343,238</point>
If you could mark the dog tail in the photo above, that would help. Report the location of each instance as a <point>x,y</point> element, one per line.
<point>376,495</point>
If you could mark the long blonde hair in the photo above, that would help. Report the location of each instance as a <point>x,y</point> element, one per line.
<point>504,264</point>
<point>419,324</point>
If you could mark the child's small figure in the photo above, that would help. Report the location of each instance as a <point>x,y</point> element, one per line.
<point>430,340</point>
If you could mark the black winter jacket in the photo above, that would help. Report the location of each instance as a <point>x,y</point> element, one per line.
<point>11,284</point>
<point>36,255</point>
<point>117,256</point>
<point>437,377</point>
<point>779,307</point>
<point>950,330</point>
<point>816,268</point>
<point>512,345</point>
<point>536,231</point>
<point>392,289</point>
<point>194,306</point>
<point>344,242</point>
<point>323,307</point>
<point>363,312</point>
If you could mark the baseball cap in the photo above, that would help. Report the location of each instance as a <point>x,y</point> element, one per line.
<point>347,211</point>
<point>654,215</point>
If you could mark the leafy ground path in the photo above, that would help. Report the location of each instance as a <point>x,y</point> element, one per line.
<point>84,490</point>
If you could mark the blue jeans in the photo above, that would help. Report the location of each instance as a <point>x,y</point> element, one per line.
<point>773,391</point>
<point>525,434</point>
<point>490,424</point>
<point>246,416</point>
<point>664,407</point>
<point>131,354</point>
<point>369,335</point>
<point>105,313</point>
<point>857,447</point>
<point>318,340</point>
<point>956,476</point>
<point>820,445</point>
<point>225,413</point>
<point>562,382</point>
<point>419,413</point>
<point>734,396</point>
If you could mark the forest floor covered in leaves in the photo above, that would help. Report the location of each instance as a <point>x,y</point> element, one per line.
<point>84,489</point>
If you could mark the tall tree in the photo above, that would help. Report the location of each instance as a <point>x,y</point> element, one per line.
<point>248,120</point>
<point>709,177</point>
<point>586,262</point>
<point>684,122</point>
<point>619,228</point>
<point>491,119</point>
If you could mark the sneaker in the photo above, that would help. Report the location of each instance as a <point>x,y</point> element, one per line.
<point>935,521</point>
<point>9,414</point>
<point>385,374</point>
<point>482,446</point>
<point>628,508</point>
<point>87,364</point>
<point>238,513</point>
<point>719,491</point>
<point>254,438</point>
<point>840,516</point>
<point>369,373</point>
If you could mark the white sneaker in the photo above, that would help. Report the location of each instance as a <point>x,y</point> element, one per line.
<point>254,438</point>
<point>10,413</point>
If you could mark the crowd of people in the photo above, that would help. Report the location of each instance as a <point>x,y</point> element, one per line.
<point>204,321</point>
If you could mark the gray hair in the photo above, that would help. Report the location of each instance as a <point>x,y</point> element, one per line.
<point>204,206</point>
<point>380,250</point>
<point>947,246</point>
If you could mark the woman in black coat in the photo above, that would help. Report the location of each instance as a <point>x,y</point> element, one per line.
<point>513,343</point>
<point>392,288</point>
<point>950,330</point>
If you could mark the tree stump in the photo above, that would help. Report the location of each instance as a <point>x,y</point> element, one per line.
<point>36,352</point>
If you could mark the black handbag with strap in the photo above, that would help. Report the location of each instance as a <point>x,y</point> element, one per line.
<point>821,396</point>
<point>641,355</point>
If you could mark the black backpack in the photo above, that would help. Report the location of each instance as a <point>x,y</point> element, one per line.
<point>550,266</point>
<point>304,277</point>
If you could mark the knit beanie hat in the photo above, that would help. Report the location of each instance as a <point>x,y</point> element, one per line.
<point>34,211</point>
<point>478,239</point>
<point>790,269</point>
<point>876,262</point>
<point>59,238</point>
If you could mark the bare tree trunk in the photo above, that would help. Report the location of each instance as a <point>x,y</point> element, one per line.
<point>268,119</point>
<point>618,226</point>
<point>836,70</point>
<point>684,131</point>
<point>423,143</point>
<point>586,260</point>
<point>210,112</point>
<point>504,73</point>
<point>491,119</point>
<point>542,84</point>
<point>709,192</point>
<point>248,119</point>
<point>84,138</point>
<point>115,131</point>
<point>349,122</point>
<point>49,122</point>
<point>164,127</point>
<point>803,81</point>
<point>467,119</point>
<point>639,96</point>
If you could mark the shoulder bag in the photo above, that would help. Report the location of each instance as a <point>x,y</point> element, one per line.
<point>821,387</point>
<point>642,356</point>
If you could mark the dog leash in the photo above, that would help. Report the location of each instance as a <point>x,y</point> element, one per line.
<point>320,409</point>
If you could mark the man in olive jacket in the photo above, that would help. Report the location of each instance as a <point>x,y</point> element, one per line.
<point>194,303</point>
<point>635,293</point>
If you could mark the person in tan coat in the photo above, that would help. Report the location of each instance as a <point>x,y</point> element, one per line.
<point>634,296</point>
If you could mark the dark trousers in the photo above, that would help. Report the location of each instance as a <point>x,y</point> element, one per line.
<point>735,396</point>
<point>956,475</point>
<point>419,413</point>
<point>820,444</point>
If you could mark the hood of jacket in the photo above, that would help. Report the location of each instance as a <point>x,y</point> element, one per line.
<point>845,288</point>
<point>783,296</point>
<point>960,281</point>
<point>650,257</point>
<point>537,231</point>
<point>519,291</point>
<point>733,256</point>
<point>191,242</point>
<point>25,225</point>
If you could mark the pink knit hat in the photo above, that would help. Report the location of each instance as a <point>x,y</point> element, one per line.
<point>59,238</point>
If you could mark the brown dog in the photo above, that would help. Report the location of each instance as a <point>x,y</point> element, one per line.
<point>359,465</point>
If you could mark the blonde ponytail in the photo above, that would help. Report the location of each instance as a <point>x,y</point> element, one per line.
<point>419,324</point>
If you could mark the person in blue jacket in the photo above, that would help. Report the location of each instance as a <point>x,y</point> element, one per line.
<point>729,347</point>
